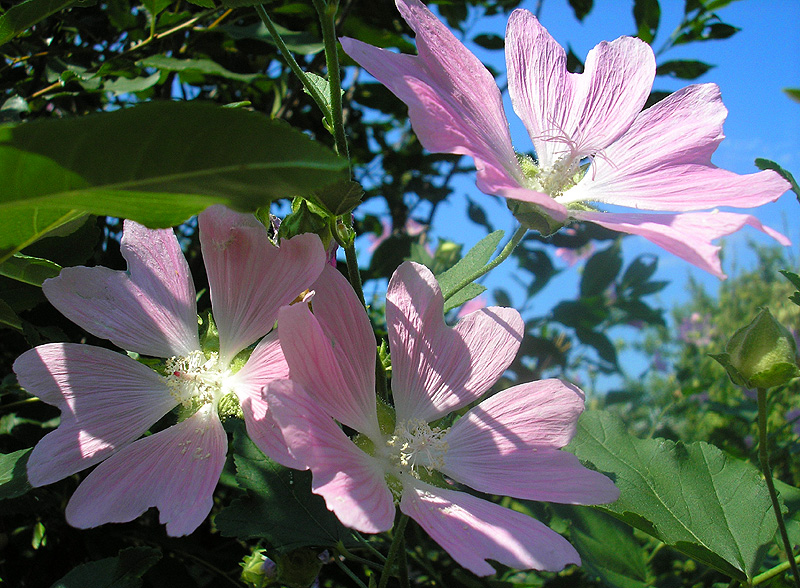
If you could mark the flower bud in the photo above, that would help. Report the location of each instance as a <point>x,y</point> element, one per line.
<point>761,355</point>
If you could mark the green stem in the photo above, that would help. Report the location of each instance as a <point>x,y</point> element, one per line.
<point>350,573</point>
<point>397,543</point>
<point>327,16</point>
<point>501,257</point>
<point>763,457</point>
<point>772,572</point>
<point>353,273</point>
<point>292,63</point>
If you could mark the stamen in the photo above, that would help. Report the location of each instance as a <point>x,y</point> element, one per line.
<point>195,378</point>
<point>416,444</point>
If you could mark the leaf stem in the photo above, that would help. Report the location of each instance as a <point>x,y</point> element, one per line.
<point>501,257</point>
<point>397,543</point>
<point>292,63</point>
<point>350,573</point>
<point>774,571</point>
<point>763,457</point>
<point>327,16</point>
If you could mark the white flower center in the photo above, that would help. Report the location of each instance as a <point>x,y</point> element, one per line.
<point>553,180</point>
<point>196,379</point>
<point>415,444</point>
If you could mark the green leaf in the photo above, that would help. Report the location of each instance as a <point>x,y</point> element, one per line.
<point>693,497</point>
<point>301,42</point>
<point>647,14</point>
<point>607,547</point>
<point>466,294</point>
<point>340,198</point>
<point>155,7</point>
<point>26,14</point>
<point>124,85</point>
<point>157,163</point>
<point>200,66</point>
<point>279,506</point>
<point>123,571</point>
<point>475,259</point>
<point>684,69</point>
<point>795,280</point>
<point>581,8</point>
<point>323,88</point>
<point>490,41</point>
<point>600,270</point>
<point>31,270</point>
<point>8,317</point>
<point>793,93</point>
<point>762,163</point>
<point>13,474</point>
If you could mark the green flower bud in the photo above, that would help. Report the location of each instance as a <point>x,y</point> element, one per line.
<point>258,570</point>
<point>761,355</point>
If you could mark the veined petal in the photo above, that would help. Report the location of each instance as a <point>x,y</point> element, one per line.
<point>107,400</point>
<point>342,381</point>
<point>175,470</point>
<point>351,481</point>
<point>266,364</point>
<point>249,277</point>
<point>453,101</point>
<point>567,114</point>
<point>437,369</point>
<point>688,235</point>
<point>663,162</point>
<point>509,444</point>
<point>149,309</point>
<point>473,530</point>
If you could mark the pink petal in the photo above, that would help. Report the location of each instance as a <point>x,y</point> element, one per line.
<point>249,277</point>
<point>437,369</point>
<point>336,369</point>
<point>509,443</point>
<point>574,115</point>
<point>453,101</point>
<point>663,162</point>
<point>473,530</point>
<point>149,309</point>
<point>265,365</point>
<point>688,235</point>
<point>106,400</point>
<point>351,481</point>
<point>175,470</point>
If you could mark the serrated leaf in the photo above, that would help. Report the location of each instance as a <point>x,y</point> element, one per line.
<point>206,67</point>
<point>13,474</point>
<point>475,258</point>
<point>30,270</point>
<point>123,571</point>
<point>280,506</point>
<point>693,497</point>
<point>26,14</point>
<point>762,163</point>
<point>157,163</point>
<point>684,69</point>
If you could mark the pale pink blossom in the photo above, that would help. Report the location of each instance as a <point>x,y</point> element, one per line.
<point>415,453</point>
<point>593,142</point>
<point>109,400</point>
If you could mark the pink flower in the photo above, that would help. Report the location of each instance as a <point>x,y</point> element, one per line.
<point>108,400</point>
<point>593,142</point>
<point>413,453</point>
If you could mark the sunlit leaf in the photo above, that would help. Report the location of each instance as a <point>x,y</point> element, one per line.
<point>31,270</point>
<point>476,258</point>
<point>693,497</point>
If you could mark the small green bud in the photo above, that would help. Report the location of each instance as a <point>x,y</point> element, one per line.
<point>258,570</point>
<point>761,355</point>
<point>534,217</point>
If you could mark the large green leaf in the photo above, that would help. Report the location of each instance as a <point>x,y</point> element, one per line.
<point>123,571</point>
<point>692,497</point>
<point>199,66</point>
<point>157,163</point>
<point>31,270</point>
<point>26,14</point>
<point>476,258</point>
<point>279,507</point>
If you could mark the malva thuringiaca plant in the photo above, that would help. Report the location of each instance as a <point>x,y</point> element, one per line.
<point>257,420</point>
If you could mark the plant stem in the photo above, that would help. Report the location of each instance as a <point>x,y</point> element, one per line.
<point>501,257</point>
<point>327,16</point>
<point>353,273</point>
<point>772,572</point>
<point>397,543</point>
<point>292,63</point>
<point>763,457</point>
<point>350,573</point>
